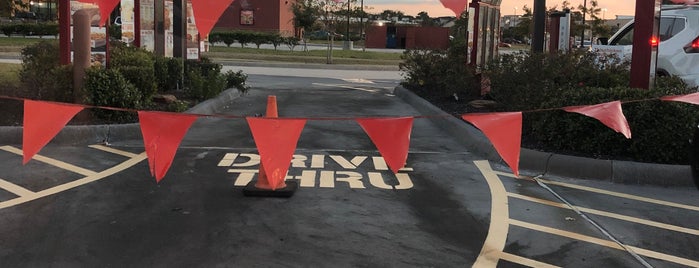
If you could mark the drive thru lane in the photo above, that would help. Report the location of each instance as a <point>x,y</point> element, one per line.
<point>447,208</point>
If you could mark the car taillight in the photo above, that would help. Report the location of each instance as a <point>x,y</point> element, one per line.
<point>654,41</point>
<point>693,47</point>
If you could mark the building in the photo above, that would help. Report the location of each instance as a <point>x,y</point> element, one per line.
<point>258,16</point>
<point>407,37</point>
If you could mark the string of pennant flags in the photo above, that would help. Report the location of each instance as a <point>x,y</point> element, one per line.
<point>276,138</point>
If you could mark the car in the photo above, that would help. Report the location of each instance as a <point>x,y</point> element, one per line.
<point>678,46</point>
<point>503,44</point>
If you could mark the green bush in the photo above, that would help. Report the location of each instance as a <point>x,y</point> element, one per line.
<point>541,84</point>
<point>108,87</point>
<point>660,130</point>
<point>27,29</point>
<point>42,74</point>
<point>175,70</point>
<point>137,66</point>
<point>524,81</point>
<point>168,73</point>
<point>237,80</point>
<point>440,74</point>
<point>203,79</point>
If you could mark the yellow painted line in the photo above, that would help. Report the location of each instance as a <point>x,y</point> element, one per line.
<point>14,188</point>
<point>53,162</point>
<point>63,187</point>
<point>610,215</point>
<point>623,195</point>
<point>606,243</point>
<point>499,214</point>
<point>612,193</point>
<point>112,150</point>
<point>525,261</point>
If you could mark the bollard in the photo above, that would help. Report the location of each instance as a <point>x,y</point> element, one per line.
<point>262,187</point>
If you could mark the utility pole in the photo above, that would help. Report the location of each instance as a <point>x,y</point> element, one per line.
<point>361,28</point>
<point>582,39</point>
<point>348,41</point>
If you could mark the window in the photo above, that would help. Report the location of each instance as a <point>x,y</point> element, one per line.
<point>626,37</point>
<point>669,27</point>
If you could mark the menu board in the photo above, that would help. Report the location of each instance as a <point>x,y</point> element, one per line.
<point>147,8</point>
<point>127,21</point>
<point>192,34</point>
<point>168,26</point>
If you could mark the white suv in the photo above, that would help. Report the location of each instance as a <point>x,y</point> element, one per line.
<point>678,50</point>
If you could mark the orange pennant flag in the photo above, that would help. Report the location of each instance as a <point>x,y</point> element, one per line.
<point>689,98</point>
<point>504,130</point>
<point>42,121</point>
<point>207,13</point>
<point>391,136</point>
<point>456,6</point>
<point>106,7</point>
<point>162,134</point>
<point>609,114</point>
<point>276,141</point>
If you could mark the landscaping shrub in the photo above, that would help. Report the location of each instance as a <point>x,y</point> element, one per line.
<point>108,87</point>
<point>203,79</point>
<point>523,81</point>
<point>237,80</point>
<point>660,130</point>
<point>541,84</point>
<point>441,76</point>
<point>42,75</point>
<point>27,29</point>
<point>137,66</point>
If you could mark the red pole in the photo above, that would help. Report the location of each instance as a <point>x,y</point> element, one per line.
<point>643,56</point>
<point>64,30</point>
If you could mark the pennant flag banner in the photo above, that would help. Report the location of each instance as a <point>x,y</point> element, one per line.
<point>106,7</point>
<point>391,136</point>
<point>42,121</point>
<point>207,13</point>
<point>456,6</point>
<point>504,130</point>
<point>276,142</point>
<point>689,98</point>
<point>609,114</point>
<point>162,134</point>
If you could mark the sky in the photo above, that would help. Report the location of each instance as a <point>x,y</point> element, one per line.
<point>435,9</point>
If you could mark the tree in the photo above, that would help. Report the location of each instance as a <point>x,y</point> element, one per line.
<point>8,7</point>
<point>525,25</point>
<point>425,19</point>
<point>390,14</point>
<point>306,13</point>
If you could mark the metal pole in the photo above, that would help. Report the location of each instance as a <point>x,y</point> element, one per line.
<point>348,18</point>
<point>64,30</point>
<point>539,26</point>
<point>361,27</point>
<point>582,39</point>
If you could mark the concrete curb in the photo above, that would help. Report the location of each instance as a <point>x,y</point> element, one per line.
<point>536,162</point>
<point>94,134</point>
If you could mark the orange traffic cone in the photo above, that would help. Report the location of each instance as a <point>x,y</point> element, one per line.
<point>262,187</point>
<point>262,181</point>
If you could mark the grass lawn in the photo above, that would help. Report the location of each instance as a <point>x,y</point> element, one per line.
<point>9,74</point>
<point>298,55</point>
<point>15,44</point>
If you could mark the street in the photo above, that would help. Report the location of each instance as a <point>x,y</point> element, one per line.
<point>97,205</point>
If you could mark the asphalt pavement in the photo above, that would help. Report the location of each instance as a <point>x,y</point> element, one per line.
<point>532,162</point>
<point>88,198</point>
